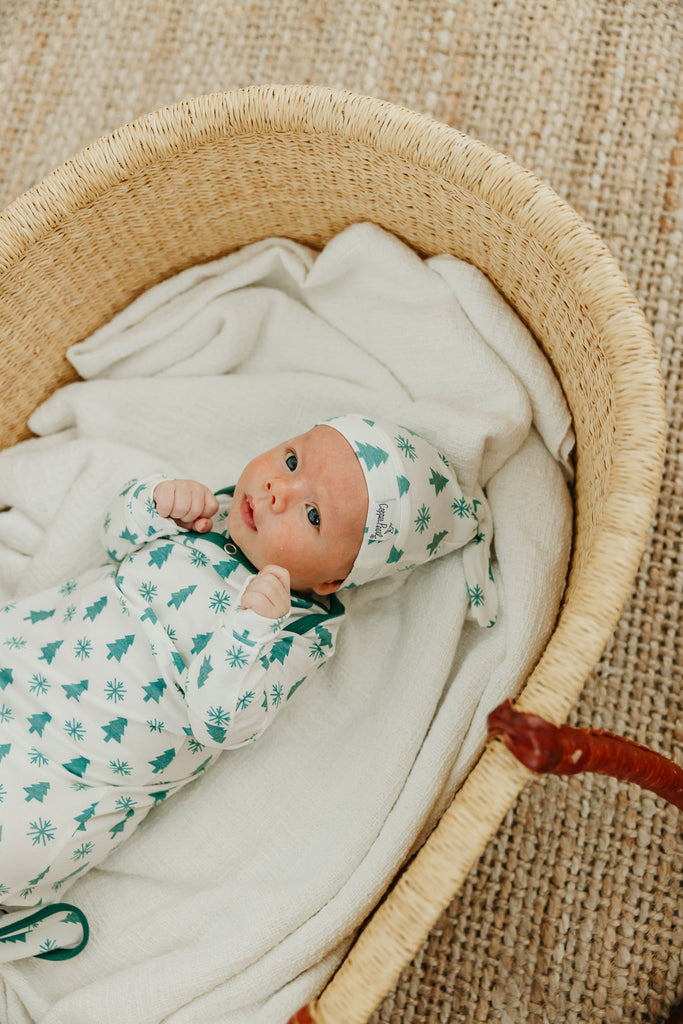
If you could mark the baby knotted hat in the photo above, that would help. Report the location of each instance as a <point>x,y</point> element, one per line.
<point>417,511</point>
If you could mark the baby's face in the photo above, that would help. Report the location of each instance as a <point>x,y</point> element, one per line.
<point>303,505</point>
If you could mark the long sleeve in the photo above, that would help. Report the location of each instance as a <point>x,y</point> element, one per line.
<point>132,519</point>
<point>247,672</point>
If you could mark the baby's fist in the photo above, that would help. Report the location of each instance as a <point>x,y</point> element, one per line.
<point>268,593</point>
<point>188,503</point>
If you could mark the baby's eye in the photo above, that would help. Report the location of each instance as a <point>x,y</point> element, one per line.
<point>291,462</point>
<point>313,515</point>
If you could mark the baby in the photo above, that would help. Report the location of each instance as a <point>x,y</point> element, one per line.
<point>123,685</point>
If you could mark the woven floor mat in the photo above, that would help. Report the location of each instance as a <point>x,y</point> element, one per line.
<point>574,912</point>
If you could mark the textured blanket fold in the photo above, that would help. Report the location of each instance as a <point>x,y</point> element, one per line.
<point>236,900</point>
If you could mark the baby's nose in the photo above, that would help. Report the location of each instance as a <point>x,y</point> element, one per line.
<point>280,493</point>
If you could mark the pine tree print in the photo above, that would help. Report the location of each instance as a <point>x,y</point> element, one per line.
<point>162,761</point>
<point>118,648</point>
<point>395,554</point>
<point>120,825</point>
<point>38,722</point>
<point>180,596</point>
<point>154,690</point>
<point>114,730</point>
<point>37,791</point>
<point>280,649</point>
<point>4,750</point>
<point>78,766</point>
<point>93,610</point>
<point>6,678</point>
<point>205,671</point>
<point>73,691</point>
<point>48,652</point>
<point>34,617</point>
<point>199,642</point>
<point>128,536</point>
<point>436,540</point>
<point>403,485</point>
<point>438,481</point>
<point>159,555</point>
<point>225,569</point>
<point>371,455</point>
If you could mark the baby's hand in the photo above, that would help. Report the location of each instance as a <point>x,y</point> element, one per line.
<point>188,503</point>
<point>268,592</point>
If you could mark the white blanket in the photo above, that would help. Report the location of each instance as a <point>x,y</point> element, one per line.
<point>236,900</point>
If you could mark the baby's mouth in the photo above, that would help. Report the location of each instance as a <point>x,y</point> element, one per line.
<point>247,513</point>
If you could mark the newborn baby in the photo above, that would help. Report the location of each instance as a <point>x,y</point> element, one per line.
<point>123,685</point>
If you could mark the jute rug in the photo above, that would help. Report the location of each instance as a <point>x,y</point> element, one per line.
<point>573,913</point>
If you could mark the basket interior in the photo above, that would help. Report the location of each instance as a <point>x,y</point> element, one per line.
<point>169,192</point>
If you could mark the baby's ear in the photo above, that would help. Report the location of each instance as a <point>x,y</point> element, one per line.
<point>327,588</point>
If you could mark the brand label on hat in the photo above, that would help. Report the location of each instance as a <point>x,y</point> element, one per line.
<point>382,522</point>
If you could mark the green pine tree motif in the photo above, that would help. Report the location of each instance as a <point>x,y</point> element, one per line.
<point>36,791</point>
<point>38,722</point>
<point>295,687</point>
<point>225,569</point>
<point>78,766</point>
<point>154,690</point>
<point>403,485</point>
<point>84,816</point>
<point>178,661</point>
<point>74,690</point>
<point>6,678</point>
<point>324,636</point>
<point>34,617</point>
<point>371,455</point>
<point>395,555</point>
<point>216,732</point>
<point>129,536</point>
<point>438,481</point>
<point>180,596</point>
<point>93,610</point>
<point>4,750</point>
<point>162,761</point>
<point>199,642</point>
<point>49,650</point>
<point>148,614</point>
<point>159,556</point>
<point>114,729</point>
<point>205,670</point>
<point>202,766</point>
<point>280,650</point>
<point>120,825</point>
<point>158,797</point>
<point>435,541</point>
<point>118,648</point>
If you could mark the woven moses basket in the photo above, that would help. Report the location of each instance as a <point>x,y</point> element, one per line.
<point>200,179</point>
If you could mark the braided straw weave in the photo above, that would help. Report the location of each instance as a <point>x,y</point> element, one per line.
<point>199,179</point>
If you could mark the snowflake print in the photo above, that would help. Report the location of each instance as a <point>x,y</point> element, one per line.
<point>16,643</point>
<point>150,507</point>
<point>6,714</point>
<point>220,601</point>
<point>276,694</point>
<point>422,519</point>
<point>245,700</point>
<point>78,786</point>
<point>155,725</point>
<point>49,944</point>
<point>120,767</point>
<point>3,890</point>
<point>218,716</point>
<point>194,746</point>
<point>315,650</point>
<point>406,447</point>
<point>148,591</point>
<point>35,757</point>
<point>198,558</point>
<point>69,613</point>
<point>170,632</point>
<point>125,803</point>
<point>83,648</point>
<point>8,607</point>
<point>479,538</point>
<point>41,831</point>
<point>39,684</point>
<point>74,729</point>
<point>124,605</point>
<point>461,508</point>
<point>68,587</point>
<point>2,792</point>
<point>476,595</point>
<point>83,851</point>
<point>115,690</point>
<point>236,657</point>
<point>276,624</point>
<point>107,522</point>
